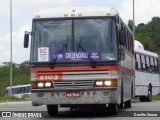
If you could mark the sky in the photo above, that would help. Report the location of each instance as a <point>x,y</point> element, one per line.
<point>23,11</point>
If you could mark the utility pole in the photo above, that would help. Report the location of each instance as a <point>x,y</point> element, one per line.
<point>10,47</point>
<point>133,21</point>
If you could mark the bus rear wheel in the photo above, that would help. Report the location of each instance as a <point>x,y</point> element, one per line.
<point>149,96</point>
<point>142,98</point>
<point>127,104</point>
<point>52,110</point>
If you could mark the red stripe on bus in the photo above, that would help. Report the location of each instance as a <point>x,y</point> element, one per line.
<point>74,69</point>
<point>56,73</point>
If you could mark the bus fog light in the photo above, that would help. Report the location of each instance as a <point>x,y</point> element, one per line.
<point>40,84</point>
<point>47,84</point>
<point>108,83</point>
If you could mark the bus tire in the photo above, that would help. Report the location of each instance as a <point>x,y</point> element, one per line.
<point>71,108</point>
<point>112,108</point>
<point>149,96</point>
<point>52,110</point>
<point>142,98</point>
<point>127,104</point>
<point>132,91</point>
<point>121,104</point>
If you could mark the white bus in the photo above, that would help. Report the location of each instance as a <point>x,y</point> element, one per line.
<point>19,90</point>
<point>147,81</point>
<point>81,56</point>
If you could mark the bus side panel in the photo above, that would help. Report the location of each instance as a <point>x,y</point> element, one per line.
<point>128,76</point>
<point>142,81</point>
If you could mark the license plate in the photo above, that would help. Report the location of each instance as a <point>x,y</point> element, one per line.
<point>72,94</point>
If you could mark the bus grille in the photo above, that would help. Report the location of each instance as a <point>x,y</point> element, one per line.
<point>71,84</point>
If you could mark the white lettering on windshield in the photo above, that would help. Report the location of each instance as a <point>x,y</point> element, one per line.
<point>79,55</point>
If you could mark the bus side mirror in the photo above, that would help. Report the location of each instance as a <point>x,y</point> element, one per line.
<point>122,37</point>
<point>26,39</point>
<point>121,54</point>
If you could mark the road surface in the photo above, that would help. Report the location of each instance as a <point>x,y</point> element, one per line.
<point>139,111</point>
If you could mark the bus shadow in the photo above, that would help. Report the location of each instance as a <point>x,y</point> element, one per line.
<point>85,113</point>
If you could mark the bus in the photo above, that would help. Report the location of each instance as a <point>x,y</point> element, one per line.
<point>19,91</point>
<point>147,81</point>
<point>81,56</point>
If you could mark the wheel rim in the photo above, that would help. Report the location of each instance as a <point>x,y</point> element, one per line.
<point>149,95</point>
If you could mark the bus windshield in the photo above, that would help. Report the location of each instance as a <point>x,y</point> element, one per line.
<point>74,40</point>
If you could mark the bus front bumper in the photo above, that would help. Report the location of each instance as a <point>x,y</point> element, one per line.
<point>74,97</point>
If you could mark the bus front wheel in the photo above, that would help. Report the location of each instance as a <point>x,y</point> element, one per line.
<point>112,108</point>
<point>52,110</point>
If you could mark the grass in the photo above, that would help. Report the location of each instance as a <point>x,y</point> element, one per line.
<point>156,97</point>
<point>10,98</point>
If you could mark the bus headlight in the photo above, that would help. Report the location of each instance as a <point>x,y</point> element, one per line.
<point>105,83</point>
<point>99,83</point>
<point>40,84</point>
<point>48,84</point>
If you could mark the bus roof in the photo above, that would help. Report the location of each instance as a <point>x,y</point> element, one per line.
<point>19,86</point>
<point>138,47</point>
<point>75,11</point>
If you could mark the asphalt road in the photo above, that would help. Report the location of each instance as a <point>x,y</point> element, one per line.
<point>139,111</point>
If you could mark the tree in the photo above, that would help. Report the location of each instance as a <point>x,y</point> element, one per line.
<point>25,67</point>
<point>149,34</point>
<point>20,75</point>
<point>130,25</point>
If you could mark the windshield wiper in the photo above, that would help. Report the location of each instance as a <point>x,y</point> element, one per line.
<point>93,63</point>
<point>59,52</point>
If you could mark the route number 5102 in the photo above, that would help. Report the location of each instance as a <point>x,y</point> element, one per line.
<point>48,77</point>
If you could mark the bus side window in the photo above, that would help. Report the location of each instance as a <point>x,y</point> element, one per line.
<point>152,64</point>
<point>16,90</point>
<point>19,90</point>
<point>22,90</point>
<point>143,62</point>
<point>148,64</point>
<point>27,89</point>
<point>156,65</point>
<point>13,90</point>
<point>138,61</point>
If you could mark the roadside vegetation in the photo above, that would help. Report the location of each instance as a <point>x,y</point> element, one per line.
<point>156,97</point>
<point>21,75</point>
<point>148,34</point>
<point>10,99</point>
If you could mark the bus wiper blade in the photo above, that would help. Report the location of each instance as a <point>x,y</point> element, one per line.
<point>59,52</point>
<point>93,63</point>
